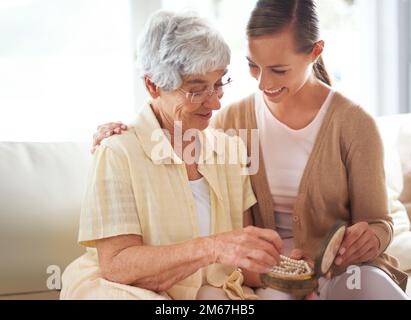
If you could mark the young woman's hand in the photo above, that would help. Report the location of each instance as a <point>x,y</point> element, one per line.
<point>106,130</point>
<point>253,249</point>
<point>360,245</point>
<point>298,254</point>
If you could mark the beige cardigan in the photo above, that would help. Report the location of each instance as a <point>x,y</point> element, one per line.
<point>344,179</point>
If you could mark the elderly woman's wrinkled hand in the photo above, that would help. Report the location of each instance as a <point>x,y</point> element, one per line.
<point>253,249</point>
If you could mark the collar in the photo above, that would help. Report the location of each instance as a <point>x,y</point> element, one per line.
<point>156,144</point>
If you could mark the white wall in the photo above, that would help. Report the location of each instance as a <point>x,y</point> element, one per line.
<point>140,10</point>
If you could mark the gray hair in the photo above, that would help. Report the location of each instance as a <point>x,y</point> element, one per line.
<point>174,45</point>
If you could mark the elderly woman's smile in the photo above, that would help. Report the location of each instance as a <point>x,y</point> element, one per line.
<point>206,116</point>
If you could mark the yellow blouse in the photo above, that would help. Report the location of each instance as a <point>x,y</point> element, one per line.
<point>138,185</point>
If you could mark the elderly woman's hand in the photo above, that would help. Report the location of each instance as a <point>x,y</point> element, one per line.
<point>253,249</point>
<point>106,130</point>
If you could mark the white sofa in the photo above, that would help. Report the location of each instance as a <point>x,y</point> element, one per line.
<point>40,197</point>
<point>41,190</point>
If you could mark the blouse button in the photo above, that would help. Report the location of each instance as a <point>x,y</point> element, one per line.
<point>296,219</point>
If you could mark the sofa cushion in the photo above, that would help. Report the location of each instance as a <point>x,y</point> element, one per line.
<point>401,244</point>
<point>396,133</point>
<point>404,149</point>
<point>41,190</point>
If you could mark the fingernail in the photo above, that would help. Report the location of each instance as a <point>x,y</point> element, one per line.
<point>338,261</point>
<point>108,133</point>
<point>342,251</point>
<point>123,127</point>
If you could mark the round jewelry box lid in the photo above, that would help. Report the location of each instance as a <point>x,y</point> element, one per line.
<point>329,249</point>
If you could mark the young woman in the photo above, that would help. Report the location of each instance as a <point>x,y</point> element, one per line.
<point>321,156</point>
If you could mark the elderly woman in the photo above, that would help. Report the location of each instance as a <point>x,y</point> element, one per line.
<point>165,217</point>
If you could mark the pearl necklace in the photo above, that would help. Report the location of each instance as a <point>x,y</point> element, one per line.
<point>291,267</point>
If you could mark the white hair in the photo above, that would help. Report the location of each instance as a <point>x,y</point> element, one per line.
<point>174,45</point>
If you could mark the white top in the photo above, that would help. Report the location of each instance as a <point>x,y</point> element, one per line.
<point>201,194</point>
<point>285,153</point>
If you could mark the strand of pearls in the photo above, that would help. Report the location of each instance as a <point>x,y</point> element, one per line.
<point>290,267</point>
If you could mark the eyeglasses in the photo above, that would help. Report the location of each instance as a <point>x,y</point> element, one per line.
<point>202,96</point>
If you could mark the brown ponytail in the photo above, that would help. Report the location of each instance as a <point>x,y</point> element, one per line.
<point>321,72</point>
<point>274,16</point>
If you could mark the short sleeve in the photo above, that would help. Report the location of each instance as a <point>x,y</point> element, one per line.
<point>249,198</point>
<point>109,207</point>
